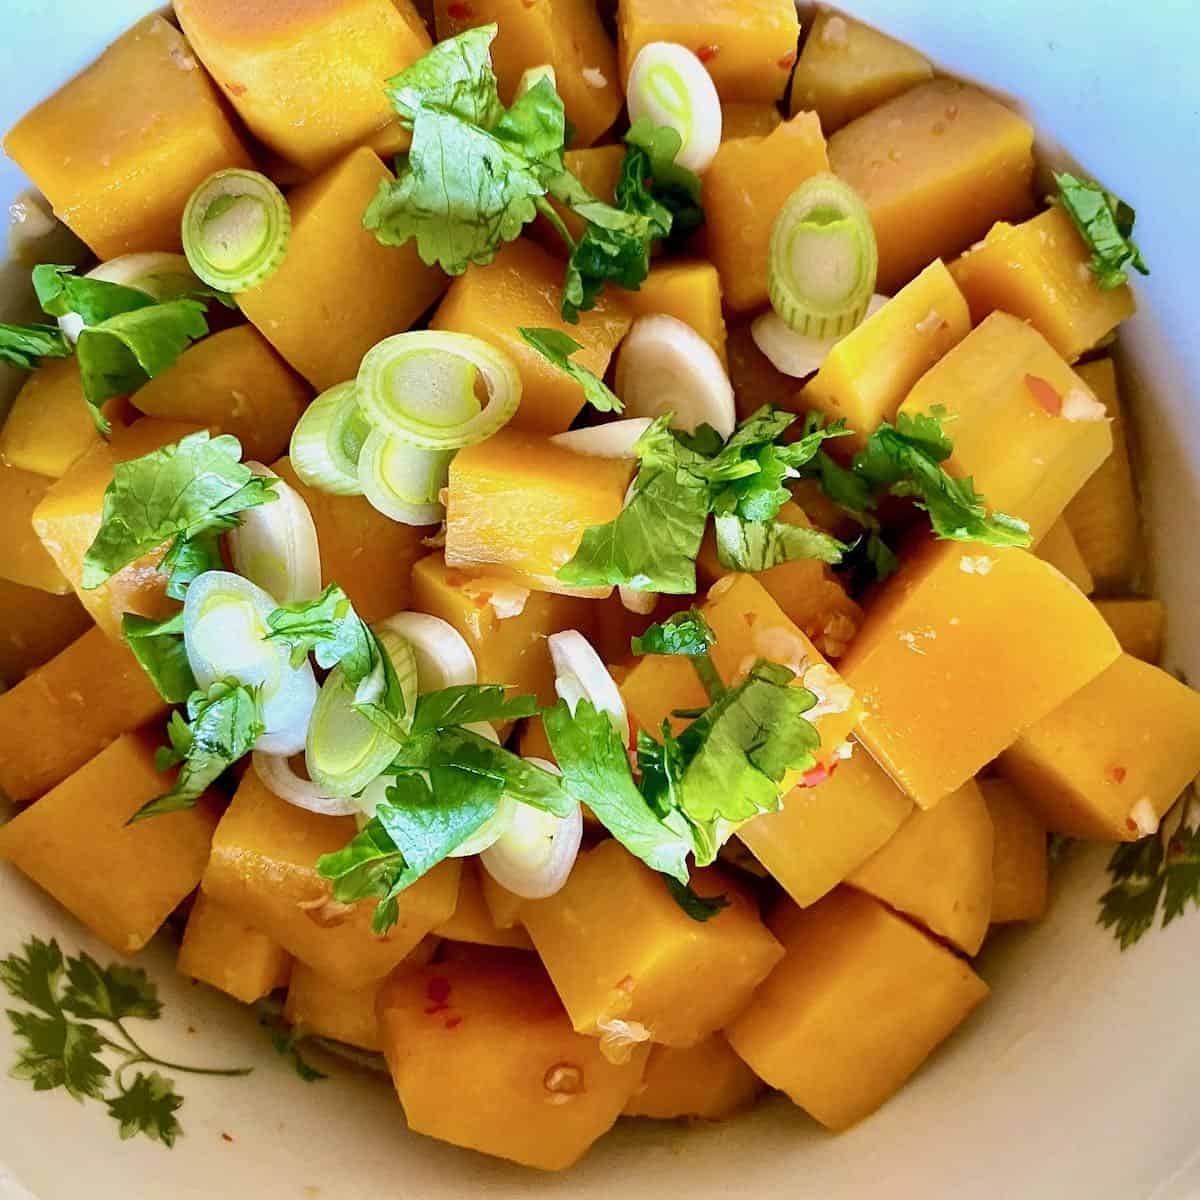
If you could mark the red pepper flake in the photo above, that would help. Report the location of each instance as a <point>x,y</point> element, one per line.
<point>751,619</point>
<point>438,992</point>
<point>1045,394</point>
<point>786,62</point>
<point>1131,825</point>
<point>708,53</point>
<point>459,11</point>
<point>818,774</point>
<point>1116,774</point>
<point>225,1137</point>
<point>453,1022</point>
<point>236,89</point>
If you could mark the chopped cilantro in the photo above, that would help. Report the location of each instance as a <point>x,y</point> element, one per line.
<point>699,908</point>
<point>557,347</point>
<point>1106,225</point>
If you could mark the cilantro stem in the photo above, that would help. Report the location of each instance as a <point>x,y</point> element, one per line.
<point>550,213</point>
<point>708,676</point>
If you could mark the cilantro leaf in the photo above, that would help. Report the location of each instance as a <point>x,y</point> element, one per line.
<point>59,1053</point>
<point>60,291</point>
<point>699,908</point>
<point>557,347</point>
<point>287,1044</point>
<point>148,1106</point>
<point>759,545</point>
<point>369,865</point>
<point>109,994</point>
<point>24,346</point>
<point>650,155</point>
<point>466,704</point>
<point>1106,224</point>
<point>456,76</point>
<point>158,647</point>
<point>34,975</point>
<point>329,628</point>
<point>686,633</point>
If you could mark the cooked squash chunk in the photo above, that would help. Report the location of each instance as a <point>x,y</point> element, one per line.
<point>1138,624</point>
<point>847,68</point>
<point>307,75</point>
<point>748,46</point>
<point>1060,550</point>
<point>118,163</point>
<point>122,881</point>
<point>598,168</point>
<point>1113,758</point>
<point>232,382</point>
<point>866,376</point>
<point>23,558</point>
<point>315,1005</point>
<point>34,627</point>
<point>355,539</point>
<point>628,961</point>
<point>937,869</point>
<point>263,866</point>
<point>745,186</point>
<point>503,905</point>
<point>566,34</point>
<point>943,150</point>
<point>749,118</point>
<point>861,999</point>
<point>518,504</point>
<point>472,920</point>
<point>1038,271</point>
<point>688,290</point>
<point>522,285</point>
<point>825,831</point>
<point>1025,427</point>
<point>1020,869</point>
<point>933,725</point>
<point>68,710</point>
<point>338,291</point>
<point>706,1080</point>
<point>755,380</point>
<point>483,1056</point>
<point>219,948</point>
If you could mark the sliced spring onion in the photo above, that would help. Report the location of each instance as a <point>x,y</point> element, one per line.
<point>275,546</point>
<point>614,439</point>
<point>420,386</point>
<point>328,440</point>
<point>580,674</point>
<point>665,366</point>
<point>490,831</point>
<point>443,657</point>
<point>236,228</point>
<point>669,85</point>
<point>798,354</point>
<point>401,480</point>
<point>277,774</point>
<point>163,276</point>
<point>823,259</point>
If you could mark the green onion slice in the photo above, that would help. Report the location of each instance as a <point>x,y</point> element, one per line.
<point>669,85</point>
<point>235,229</point>
<point>403,481</point>
<point>328,440</point>
<point>823,258</point>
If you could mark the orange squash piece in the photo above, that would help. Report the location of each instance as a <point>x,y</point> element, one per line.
<point>1139,625</point>
<point>1020,866</point>
<point>688,290</point>
<point>34,627</point>
<point>472,920</point>
<point>1061,551</point>
<point>707,1081</point>
<point>315,1005</point>
<point>118,163</point>
<point>219,948</point>
<point>503,905</point>
<point>23,558</point>
<point>749,118</point>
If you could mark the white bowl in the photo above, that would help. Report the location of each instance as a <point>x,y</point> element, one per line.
<point>1076,1079</point>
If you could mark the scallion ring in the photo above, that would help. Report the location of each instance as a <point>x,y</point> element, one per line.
<point>401,480</point>
<point>669,85</point>
<point>328,440</point>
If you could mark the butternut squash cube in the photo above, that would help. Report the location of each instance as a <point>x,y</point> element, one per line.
<point>706,1080</point>
<point>122,881</point>
<point>118,163</point>
<point>503,905</point>
<point>1138,624</point>
<point>522,285</point>
<point>472,920</point>
<point>315,1005</point>
<point>1020,867</point>
<point>847,68</point>
<point>48,426</point>
<point>1025,427</point>
<point>748,46</point>
<point>1038,271</point>
<point>483,1056</point>
<point>219,948</point>
<point>264,865</point>
<point>866,376</point>
<point>745,186</point>
<point>1060,550</point>
<point>1103,516</point>
<point>946,151</point>
<point>355,539</point>
<point>34,627</point>
<point>1031,639</point>
<point>1110,761</point>
<point>598,168</point>
<point>620,950</point>
<point>232,382</point>
<point>307,75</point>
<point>861,999</point>
<point>937,869</point>
<point>822,833</point>
<point>338,291</point>
<point>688,290</point>
<point>23,558</point>
<point>566,34</point>
<point>518,504</point>
<point>755,380</point>
<point>749,118</point>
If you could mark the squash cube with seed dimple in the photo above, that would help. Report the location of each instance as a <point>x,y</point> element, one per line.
<point>1020,866</point>
<point>707,1081</point>
<point>221,949</point>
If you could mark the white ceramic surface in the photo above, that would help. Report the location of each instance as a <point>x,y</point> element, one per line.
<point>1076,1079</point>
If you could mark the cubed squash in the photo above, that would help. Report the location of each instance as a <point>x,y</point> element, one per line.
<point>1139,625</point>
<point>755,380</point>
<point>518,504</point>
<point>706,1080</point>
<point>598,168</point>
<point>522,285</point>
<point>355,539</point>
<point>317,1006</point>
<point>23,558</point>
<point>688,290</point>
<point>34,627</point>
<point>937,869</point>
<point>944,150</point>
<point>1108,762</point>
<point>118,163</point>
<point>221,949</point>
<point>1060,550</point>
<point>623,954</point>
<point>745,186</point>
<point>749,118</point>
<point>472,919</point>
<point>338,291</point>
<point>307,76</point>
<point>121,880</point>
<point>824,832</point>
<point>232,382</point>
<point>264,866</point>
<point>1103,516</point>
<point>1038,271</point>
<point>566,34</point>
<point>847,68</point>
<point>503,905</point>
<point>64,713</point>
<point>1020,866</point>
<point>1031,639</point>
<point>483,1056</point>
<point>866,376</point>
<point>748,46</point>
<point>1025,427</point>
<point>860,1000</point>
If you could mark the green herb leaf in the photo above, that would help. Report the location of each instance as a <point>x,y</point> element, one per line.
<point>369,865</point>
<point>759,545</point>
<point>109,993</point>
<point>24,346</point>
<point>148,1106</point>
<point>159,648</point>
<point>650,163</point>
<point>60,291</point>
<point>1106,223</point>
<point>287,1043</point>
<point>466,704</point>
<point>455,76</point>
<point>329,628</point>
<point>557,347</point>
<point>59,1053</point>
<point>699,908</point>
<point>686,633</point>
